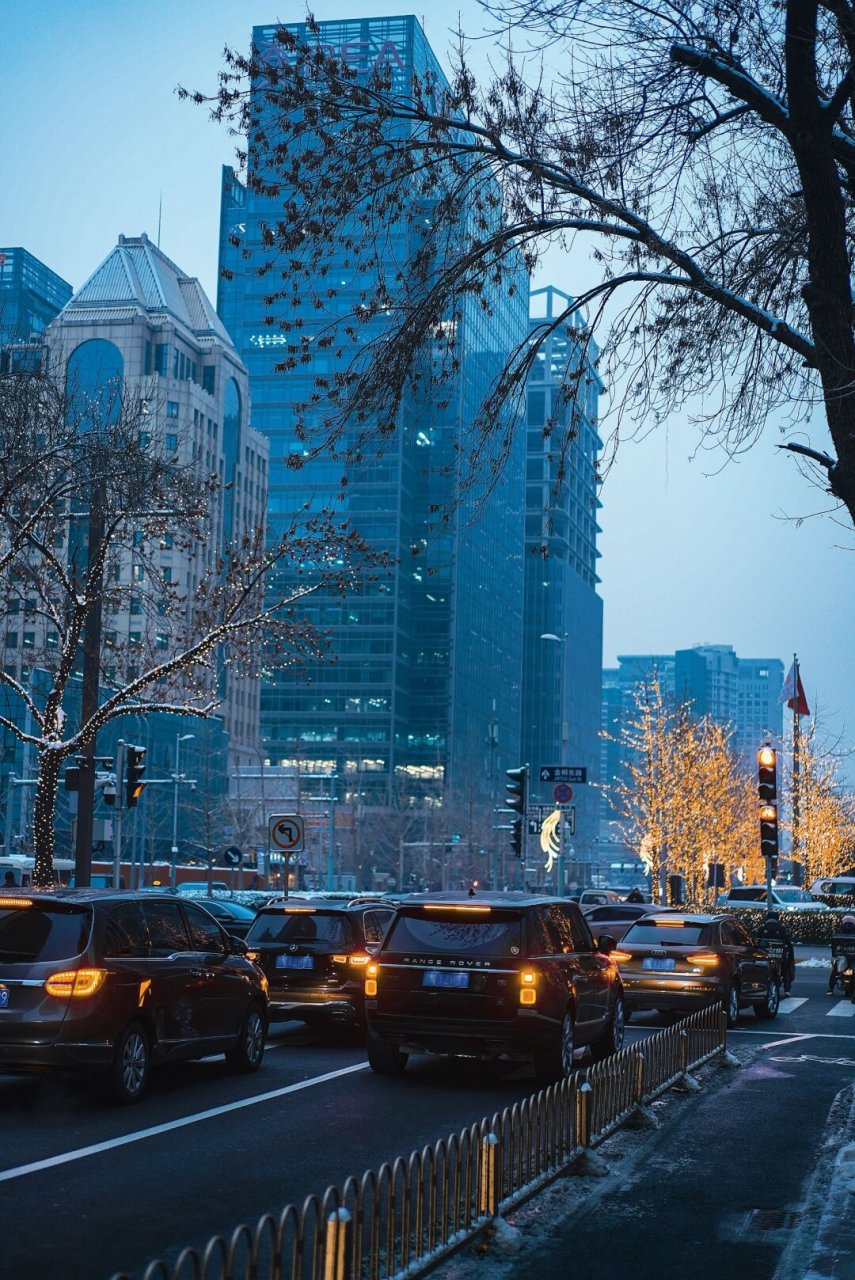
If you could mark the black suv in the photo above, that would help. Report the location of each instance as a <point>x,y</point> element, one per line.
<point>96,980</point>
<point>497,975</point>
<point>314,955</point>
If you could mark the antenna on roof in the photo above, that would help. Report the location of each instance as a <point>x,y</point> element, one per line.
<point>159,218</point>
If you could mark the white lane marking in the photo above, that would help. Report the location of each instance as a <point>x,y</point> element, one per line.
<point>791,1004</point>
<point>811,1057</point>
<point>790,1039</point>
<point>843,1009</point>
<point>67,1157</point>
<point>817,1035</point>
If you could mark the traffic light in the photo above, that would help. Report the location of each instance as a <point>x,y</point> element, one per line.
<point>767,774</point>
<point>516,799</point>
<point>135,769</point>
<point>516,790</point>
<point>769,832</point>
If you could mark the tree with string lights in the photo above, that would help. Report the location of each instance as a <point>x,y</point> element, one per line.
<point>687,801</point>
<point>827,812</point>
<point>247,612</point>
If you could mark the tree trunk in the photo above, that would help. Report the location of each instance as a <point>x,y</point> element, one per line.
<point>44,817</point>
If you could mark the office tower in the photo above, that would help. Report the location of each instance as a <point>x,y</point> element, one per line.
<point>30,296</point>
<point>563,672</point>
<point>425,692</point>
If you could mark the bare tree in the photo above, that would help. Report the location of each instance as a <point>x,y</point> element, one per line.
<point>703,154</point>
<point>57,452</point>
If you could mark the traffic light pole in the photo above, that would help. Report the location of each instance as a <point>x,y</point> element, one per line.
<point>120,808</point>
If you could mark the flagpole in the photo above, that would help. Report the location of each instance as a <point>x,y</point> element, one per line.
<point>796,765</point>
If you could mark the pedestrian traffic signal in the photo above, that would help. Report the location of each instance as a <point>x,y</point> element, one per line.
<point>767,774</point>
<point>516,790</point>
<point>769,831</point>
<point>517,837</point>
<point>135,769</point>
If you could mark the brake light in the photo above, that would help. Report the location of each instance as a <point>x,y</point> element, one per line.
<point>528,987</point>
<point>620,957</point>
<point>16,902</point>
<point>706,958</point>
<point>359,957</point>
<point>76,983</point>
<point>371,979</point>
<point>444,906</point>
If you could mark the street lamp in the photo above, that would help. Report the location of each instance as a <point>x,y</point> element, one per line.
<point>565,734</point>
<point>176,779</point>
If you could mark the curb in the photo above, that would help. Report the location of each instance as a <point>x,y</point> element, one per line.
<point>832,1252</point>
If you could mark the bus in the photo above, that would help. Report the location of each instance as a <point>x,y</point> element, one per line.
<point>16,871</point>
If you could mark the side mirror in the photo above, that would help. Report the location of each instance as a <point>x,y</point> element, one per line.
<point>605,944</point>
<point>237,945</point>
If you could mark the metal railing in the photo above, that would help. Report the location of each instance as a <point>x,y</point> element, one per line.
<point>408,1215</point>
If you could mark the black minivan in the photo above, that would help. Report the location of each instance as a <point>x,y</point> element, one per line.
<point>96,981</point>
<point>492,975</point>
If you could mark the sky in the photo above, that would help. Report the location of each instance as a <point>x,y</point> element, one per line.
<point>694,550</point>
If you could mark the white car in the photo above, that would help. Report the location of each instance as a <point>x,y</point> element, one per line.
<point>785,897</point>
<point>842,886</point>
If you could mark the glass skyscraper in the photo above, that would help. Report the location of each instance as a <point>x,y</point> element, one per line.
<point>563,613</point>
<point>30,296</point>
<point>426,688</point>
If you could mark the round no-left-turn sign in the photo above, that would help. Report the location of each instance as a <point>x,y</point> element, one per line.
<point>287,832</point>
<point>562,793</point>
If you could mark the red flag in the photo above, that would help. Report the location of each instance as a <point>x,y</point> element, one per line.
<point>793,693</point>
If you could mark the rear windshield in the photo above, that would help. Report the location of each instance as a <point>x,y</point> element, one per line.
<point>301,926</point>
<point>746,895</point>
<point>453,932</point>
<point>679,935</point>
<point>43,931</point>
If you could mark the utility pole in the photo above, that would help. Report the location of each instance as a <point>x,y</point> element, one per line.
<point>331,850</point>
<point>120,808</point>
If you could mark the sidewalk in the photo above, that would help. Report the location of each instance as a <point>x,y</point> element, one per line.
<point>719,1191</point>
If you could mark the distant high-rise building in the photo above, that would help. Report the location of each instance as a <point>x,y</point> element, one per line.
<point>426,688</point>
<point>30,296</point>
<point>562,675</point>
<point>712,681</point>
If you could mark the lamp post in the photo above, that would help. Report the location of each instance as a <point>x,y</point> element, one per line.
<point>565,734</point>
<point>176,779</point>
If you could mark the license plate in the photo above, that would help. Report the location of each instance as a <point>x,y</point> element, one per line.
<point>439,978</point>
<point>654,962</point>
<point>293,962</point>
<point>4,998</point>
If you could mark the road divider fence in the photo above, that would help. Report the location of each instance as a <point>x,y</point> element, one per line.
<point>404,1218</point>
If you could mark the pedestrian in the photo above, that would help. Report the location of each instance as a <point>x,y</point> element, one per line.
<point>634,895</point>
<point>842,949</point>
<point>9,880</point>
<point>773,937</point>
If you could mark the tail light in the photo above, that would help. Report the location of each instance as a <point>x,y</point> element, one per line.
<point>75,983</point>
<point>620,957</point>
<point>706,959</point>
<point>359,957</point>
<point>528,986</point>
<point>371,979</point>
<point>254,956</point>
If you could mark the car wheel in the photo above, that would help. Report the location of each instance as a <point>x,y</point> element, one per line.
<point>247,1054</point>
<point>556,1062</point>
<point>129,1073</point>
<point>768,1007</point>
<point>385,1059</point>
<point>731,1005</point>
<point>611,1041</point>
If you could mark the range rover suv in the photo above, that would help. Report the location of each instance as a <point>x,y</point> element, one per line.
<point>497,975</point>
